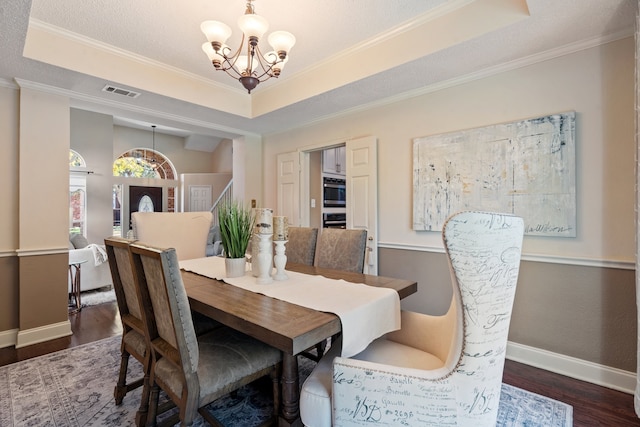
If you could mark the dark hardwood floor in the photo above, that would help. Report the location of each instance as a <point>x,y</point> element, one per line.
<point>592,405</point>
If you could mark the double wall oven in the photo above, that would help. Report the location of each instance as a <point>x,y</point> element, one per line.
<point>334,192</point>
<point>334,202</point>
<point>334,220</point>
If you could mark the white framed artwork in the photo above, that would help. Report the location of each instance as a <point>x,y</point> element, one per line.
<point>526,168</point>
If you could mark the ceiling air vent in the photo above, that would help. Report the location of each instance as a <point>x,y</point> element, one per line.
<point>120,91</point>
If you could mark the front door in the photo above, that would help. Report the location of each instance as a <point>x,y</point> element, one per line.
<point>144,199</point>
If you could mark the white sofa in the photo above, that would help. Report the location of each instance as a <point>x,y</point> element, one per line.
<point>94,273</point>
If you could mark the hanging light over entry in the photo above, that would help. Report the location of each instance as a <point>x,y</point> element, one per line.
<point>152,160</point>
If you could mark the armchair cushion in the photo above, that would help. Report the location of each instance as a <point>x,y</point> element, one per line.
<point>214,241</point>
<point>315,399</point>
<point>78,241</point>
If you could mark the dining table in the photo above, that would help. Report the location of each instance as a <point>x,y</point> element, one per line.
<point>289,327</point>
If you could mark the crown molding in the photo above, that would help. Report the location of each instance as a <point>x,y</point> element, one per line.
<point>125,54</point>
<point>9,84</point>
<point>481,74</point>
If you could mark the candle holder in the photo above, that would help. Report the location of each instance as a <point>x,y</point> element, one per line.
<point>280,259</point>
<point>264,259</point>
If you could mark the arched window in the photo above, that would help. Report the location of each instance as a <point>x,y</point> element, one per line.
<point>77,194</point>
<point>143,163</point>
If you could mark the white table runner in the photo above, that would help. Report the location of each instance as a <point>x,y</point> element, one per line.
<point>366,312</point>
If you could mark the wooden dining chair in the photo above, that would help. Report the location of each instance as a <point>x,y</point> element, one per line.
<point>341,249</point>
<point>192,371</point>
<point>133,331</point>
<point>301,247</point>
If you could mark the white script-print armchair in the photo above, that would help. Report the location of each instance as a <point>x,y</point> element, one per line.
<point>436,370</point>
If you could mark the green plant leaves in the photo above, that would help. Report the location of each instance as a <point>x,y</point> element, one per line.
<point>236,226</point>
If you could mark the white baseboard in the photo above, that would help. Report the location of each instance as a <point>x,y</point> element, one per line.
<point>8,338</point>
<point>43,333</point>
<point>605,376</point>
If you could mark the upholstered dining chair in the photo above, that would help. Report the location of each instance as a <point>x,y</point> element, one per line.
<point>133,338</point>
<point>301,247</point>
<point>436,370</point>
<point>338,249</point>
<point>192,371</point>
<point>186,232</point>
<point>341,249</point>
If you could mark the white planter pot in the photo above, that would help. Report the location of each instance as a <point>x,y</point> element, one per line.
<point>235,267</point>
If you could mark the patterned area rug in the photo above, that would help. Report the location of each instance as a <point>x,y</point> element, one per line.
<point>97,296</point>
<point>74,387</point>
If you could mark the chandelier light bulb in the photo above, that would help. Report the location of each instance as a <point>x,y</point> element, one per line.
<point>281,41</point>
<point>253,25</point>
<point>215,57</point>
<point>216,31</point>
<point>243,64</point>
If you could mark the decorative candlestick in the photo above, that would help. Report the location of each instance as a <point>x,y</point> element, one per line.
<point>263,220</point>
<point>264,259</point>
<point>280,228</point>
<point>280,260</point>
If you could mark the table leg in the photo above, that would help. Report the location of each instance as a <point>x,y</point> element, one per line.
<point>78,282</point>
<point>75,286</point>
<point>290,392</point>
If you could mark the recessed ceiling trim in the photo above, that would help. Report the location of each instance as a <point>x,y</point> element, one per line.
<point>480,74</point>
<point>56,46</point>
<point>467,21</point>
<point>107,106</point>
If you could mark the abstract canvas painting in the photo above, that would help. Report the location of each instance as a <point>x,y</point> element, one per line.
<point>526,168</point>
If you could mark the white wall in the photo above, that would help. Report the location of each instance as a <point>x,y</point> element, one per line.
<point>92,138</point>
<point>9,168</point>
<point>597,83</point>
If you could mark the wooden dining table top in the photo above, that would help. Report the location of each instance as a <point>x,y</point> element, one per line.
<point>289,327</point>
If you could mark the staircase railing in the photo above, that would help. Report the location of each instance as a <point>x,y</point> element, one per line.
<point>225,197</point>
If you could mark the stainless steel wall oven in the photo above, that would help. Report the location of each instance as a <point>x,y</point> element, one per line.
<point>334,192</point>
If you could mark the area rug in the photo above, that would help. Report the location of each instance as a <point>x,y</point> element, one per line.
<point>97,296</point>
<point>74,387</point>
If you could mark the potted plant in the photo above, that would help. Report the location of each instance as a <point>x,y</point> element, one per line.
<point>236,226</point>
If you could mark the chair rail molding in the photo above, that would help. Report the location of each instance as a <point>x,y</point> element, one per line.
<point>550,259</point>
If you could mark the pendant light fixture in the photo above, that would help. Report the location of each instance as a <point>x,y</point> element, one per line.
<point>247,63</point>
<point>152,160</point>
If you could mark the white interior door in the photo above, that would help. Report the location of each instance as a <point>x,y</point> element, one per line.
<point>200,198</point>
<point>288,182</point>
<point>362,194</point>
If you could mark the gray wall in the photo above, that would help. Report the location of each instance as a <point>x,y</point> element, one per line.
<point>583,312</point>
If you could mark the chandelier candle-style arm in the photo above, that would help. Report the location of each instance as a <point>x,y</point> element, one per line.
<point>253,67</point>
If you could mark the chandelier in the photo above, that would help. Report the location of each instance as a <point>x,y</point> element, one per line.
<point>247,63</point>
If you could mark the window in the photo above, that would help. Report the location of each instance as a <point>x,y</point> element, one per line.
<point>77,194</point>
